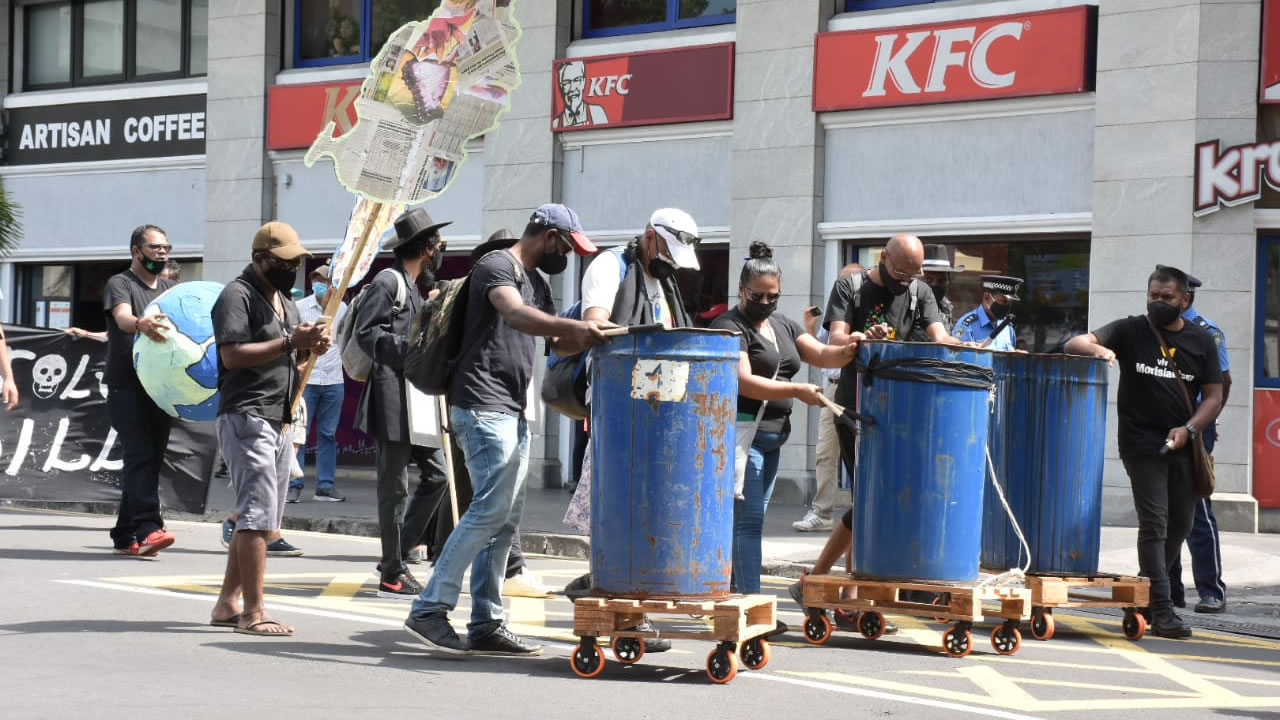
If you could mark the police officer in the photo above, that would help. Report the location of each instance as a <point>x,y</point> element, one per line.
<point>999,293</point>
<point>1206,553</point>
<point>937,275</point>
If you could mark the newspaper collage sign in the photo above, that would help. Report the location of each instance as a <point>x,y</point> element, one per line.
<point>435,84</point>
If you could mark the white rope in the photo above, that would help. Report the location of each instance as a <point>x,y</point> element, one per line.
<point>1015,575</point>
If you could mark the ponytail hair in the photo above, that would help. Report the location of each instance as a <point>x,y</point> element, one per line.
<point>759,262</point>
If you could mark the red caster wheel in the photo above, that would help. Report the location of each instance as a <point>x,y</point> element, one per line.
<point>755,653</point>
<point>957,641</point>
<point>628,650</point>
<point>817,629</point>
<point>1041,624</point>
<point>1135,625</point>
<point>587,660</point>
<point>871,624</point>
<point>722,665</point>
<point>1006,639</point>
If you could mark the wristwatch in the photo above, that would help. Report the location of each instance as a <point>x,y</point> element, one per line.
<point>1191,430</point>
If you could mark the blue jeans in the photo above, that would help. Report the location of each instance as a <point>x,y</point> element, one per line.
<point>496,446</point>
<point>748,513</point>
<point>324,408</point>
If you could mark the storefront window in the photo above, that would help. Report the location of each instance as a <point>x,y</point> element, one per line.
<point>332,32</point>
<point>49,40</point>
<point>602,18</point>
<point>103,38</point>
<point>158,49</point>
<point>198,46</point>
<point>1268,322</point>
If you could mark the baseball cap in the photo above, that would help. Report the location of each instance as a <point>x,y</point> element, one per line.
<point>281,240</point>
<point>681,234</point>
<point>561,217</point>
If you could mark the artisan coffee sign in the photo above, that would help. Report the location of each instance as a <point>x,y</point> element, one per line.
<point>119,130</point>
<point>1039,53</point>
<point>686,84</point>
<point>1234,176</point>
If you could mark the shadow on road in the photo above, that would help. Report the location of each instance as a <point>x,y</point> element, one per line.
<point>56,528</point>
<point>103,626</point>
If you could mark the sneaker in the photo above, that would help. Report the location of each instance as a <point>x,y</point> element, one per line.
<point>155,542</point>
<point>1211,605</point>
<point>417,556</point>
<point>812,523</point>
<point>436,633</point>
<point>504,642</point>
<point>329,495</point>
<point>578,587</point>
<point>131,550</point>
<point>796,591</point>
<point>228,532</point>
<point>653,644</point>
<point>294,495</point>
<point>525,584</point>
<point>1168,625</point>
<point>282,548</point>
<point>402,587</point>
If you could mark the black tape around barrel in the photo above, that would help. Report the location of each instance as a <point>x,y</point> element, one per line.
<point>926,370</point>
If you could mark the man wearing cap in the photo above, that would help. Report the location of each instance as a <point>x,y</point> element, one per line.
<point>937,275</point>
<point>258,332</point>
<point>999,293</point>
<point>381,327</point>
<point>323,396</point>
<point>1203,542</point>
<point>508,304</point>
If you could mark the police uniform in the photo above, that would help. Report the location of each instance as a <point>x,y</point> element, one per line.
<point>976,325</point>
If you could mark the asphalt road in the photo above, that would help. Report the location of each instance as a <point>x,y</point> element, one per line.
<point>88,633</point>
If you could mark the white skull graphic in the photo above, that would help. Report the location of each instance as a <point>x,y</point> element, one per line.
<point>47,374</point>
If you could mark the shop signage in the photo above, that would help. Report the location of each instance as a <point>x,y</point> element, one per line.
<point>1266,447</point>
<point>117,130</point>
<point>658,87</point>
<point>1271,51</point>
<point>1234,176</point>
<point>297,113</point>
<point>1039,53</point>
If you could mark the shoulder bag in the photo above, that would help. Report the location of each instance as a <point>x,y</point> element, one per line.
<point>1201,462</point>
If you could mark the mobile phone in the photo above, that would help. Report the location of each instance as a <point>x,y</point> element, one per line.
<point>815,311</point>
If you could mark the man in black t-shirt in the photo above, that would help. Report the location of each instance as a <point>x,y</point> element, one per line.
<point>141,426</point>
<point>1156,424</point>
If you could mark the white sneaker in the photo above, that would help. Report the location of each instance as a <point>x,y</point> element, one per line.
<point>525,584</point>
<point>811,523</point>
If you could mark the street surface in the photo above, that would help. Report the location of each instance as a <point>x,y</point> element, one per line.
<point>90,634</point>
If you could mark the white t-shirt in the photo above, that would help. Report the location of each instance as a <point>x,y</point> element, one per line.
<point>601,282</point>
<point>328,370</point>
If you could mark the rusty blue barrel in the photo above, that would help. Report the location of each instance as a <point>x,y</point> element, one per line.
<point>920,468</point>
<point>663,406</point>
<point>1047,439</point>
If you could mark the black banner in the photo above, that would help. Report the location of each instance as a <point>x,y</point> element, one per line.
<point>117,130</point>
<point>58,445</point>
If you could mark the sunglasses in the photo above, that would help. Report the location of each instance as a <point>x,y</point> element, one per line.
<point>687,238</point>
<point>280,264</point>
<point>758,295</point>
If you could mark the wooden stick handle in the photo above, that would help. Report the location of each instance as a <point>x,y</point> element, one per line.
<point>446,444</point>
<point>831,405</point>
<point>615,332</point>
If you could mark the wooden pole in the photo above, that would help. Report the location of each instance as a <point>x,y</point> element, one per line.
<point>447,446</point>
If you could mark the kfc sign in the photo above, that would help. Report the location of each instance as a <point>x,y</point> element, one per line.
<point>646,88</point>
<point>296,113</point>
<point>1271,51</point>
<point>1040,53</point>
<point>1234,177</point>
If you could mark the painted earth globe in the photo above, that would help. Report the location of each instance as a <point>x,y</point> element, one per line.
<point>181,373</point>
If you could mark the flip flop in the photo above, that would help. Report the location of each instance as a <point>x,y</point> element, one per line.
<point>251,631</point>
<point>230,622</point>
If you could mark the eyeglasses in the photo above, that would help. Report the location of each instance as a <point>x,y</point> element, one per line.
<point>282,264</point>
<point>568,245</point>
<point>758,295</point>
<point>687,238</point>
<point>898,274</point>
<point>156,247</point>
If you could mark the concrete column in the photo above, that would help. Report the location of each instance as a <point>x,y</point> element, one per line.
<point>777,156</point>
<point>1169,77</point>
<point>244,57</point>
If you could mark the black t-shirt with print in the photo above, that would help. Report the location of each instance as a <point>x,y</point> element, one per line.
<point>243,314</point>
<point>765,359</point>
<point>1149,401</point>
<point>125,288</point>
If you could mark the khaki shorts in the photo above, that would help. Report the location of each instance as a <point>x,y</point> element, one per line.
<point>257,453</point>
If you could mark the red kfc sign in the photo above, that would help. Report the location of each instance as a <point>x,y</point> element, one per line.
<point>645,88</point>
<point>1040,53</point>
<point>1270,51</point>
<point>296,113</point>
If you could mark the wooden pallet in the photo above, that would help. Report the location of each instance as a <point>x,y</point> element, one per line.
<point>1120,591</point>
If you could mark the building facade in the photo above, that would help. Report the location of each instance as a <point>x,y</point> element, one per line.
<point>1064,142</point>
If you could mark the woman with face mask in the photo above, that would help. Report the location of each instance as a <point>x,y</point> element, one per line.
<point>773,346</point>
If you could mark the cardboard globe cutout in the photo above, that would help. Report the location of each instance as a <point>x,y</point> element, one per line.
<point>181,373</point>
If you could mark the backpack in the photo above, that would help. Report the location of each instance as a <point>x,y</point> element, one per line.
<point>437,334</point>
<point>856,281</point>
<point>564,386</point>
<point>355,360</point>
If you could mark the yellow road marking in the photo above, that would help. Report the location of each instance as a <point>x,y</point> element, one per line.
<point>1065,684</point>
<point>1060,665</point>
<point>996,685</point>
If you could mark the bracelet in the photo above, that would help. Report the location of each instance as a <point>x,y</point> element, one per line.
<point>1191,430</point>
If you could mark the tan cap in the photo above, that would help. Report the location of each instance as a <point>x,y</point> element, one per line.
<point>280,239</point>
<point>321,271</point>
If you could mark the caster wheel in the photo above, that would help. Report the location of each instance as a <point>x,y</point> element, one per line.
<point>628,650</point>
<point>1006,639</point>
<point>817,629</point>
<point>722,665</point>
<point>1135,625</point>
<point>871,624</point>
<point>957,641</point>
<point>1042,625</point>
<point>587,660</point>
<point>755,653</point>
<point>941,600</point>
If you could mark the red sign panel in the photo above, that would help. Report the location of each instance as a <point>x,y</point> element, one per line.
<point>646,88</point>
<point>1266,447</point>
<point>1040,53</point>
<point>297,113</point>
<point>1271,51</point>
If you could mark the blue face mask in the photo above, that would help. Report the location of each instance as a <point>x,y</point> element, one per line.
<point>320,289</point>
<point>295,293</point>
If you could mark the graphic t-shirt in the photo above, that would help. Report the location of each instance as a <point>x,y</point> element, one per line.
<point>1150,403</point>
<point>126,288</point>
<point>765,358</point>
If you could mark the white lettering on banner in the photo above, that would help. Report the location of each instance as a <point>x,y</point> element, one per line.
<point>54,460</point>
<point>71,393</point>
<point>51,136</point>
<point>1231,177</point>
<point>605,84</point>
<point>102,463</point>
<point>24,446</point>
<point>891,65</point>
<point>164,128</point>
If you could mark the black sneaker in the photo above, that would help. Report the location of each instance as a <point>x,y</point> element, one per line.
<point>504,642</point>
<point>329,495</point>
<point>401,587</point>
<point>653,644</point>
<point>1211,605</point>
<point>1168,625</point>
<point>436,633</point>
<point>293,495</point>
<point>282,548</point>
<point>579,587</point>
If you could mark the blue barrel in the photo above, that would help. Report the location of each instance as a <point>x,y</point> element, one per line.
<point>920,467</point>
<point>663,406</point>
<point>1047,439</point>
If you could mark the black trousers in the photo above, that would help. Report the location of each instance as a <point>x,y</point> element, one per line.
<point>441,526</point>
<point>1165,498</point>
<point>402,520</point>
<point>143,431</point>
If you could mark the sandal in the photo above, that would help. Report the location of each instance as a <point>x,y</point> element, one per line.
<point>233,621</point>
<point>251,629</point>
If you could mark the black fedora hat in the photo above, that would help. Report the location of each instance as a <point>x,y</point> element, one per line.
<point>937,259</point>
<point>413,225</point>
<point>500,240</point>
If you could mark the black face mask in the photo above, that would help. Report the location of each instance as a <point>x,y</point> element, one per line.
<point>155,267</point>
<point>1163,313</point>
<point>661,268</point>
<point>940,292</point>
<point>281,280</point>
<point>891,283</point>
<point>553,263</point>
<point>758,311</point>
<point>1000,311</point>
